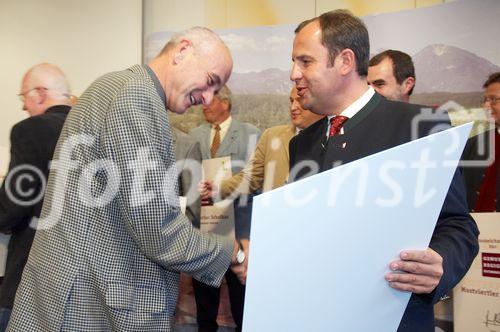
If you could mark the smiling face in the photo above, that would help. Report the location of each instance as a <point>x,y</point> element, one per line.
<point>381,77</point>
<point>300,117</point>
<point>197,75</point>
<point>316,79</point>
<point>217,111</point>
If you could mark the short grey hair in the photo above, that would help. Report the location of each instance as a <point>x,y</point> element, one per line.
<point>225,94</point>
<point>200,37</point>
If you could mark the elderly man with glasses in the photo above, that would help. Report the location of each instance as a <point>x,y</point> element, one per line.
<point>46,97</point>
<point>482,179</point>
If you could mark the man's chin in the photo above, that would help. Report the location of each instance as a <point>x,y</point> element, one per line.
<point>179,110</point>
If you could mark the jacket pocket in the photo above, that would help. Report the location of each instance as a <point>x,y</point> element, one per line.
<point>139,299</point>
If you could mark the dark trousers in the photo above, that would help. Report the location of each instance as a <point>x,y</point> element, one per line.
<point>207,303</point>
<point>4,318</point>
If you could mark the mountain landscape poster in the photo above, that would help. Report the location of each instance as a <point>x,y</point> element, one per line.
<point>453,46</point>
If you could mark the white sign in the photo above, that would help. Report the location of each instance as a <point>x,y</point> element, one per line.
<point>217,217</point>
<point>320,247</point>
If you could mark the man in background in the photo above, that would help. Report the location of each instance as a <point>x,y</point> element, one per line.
<point>392,74</point>
<point>112,241</point>
<point>224,136</point>
<point>268,166</point>
<point>45,94</point>
<point>483,180</point>
<point>330,64</point>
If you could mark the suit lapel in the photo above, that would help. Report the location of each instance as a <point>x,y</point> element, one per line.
<point>341,148</point>
<point>363,113</point>
<point>312,142</point>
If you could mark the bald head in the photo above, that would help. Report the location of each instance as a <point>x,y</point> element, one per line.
<point>193,66</point>
<point>202,39</point>
<point>43,86</point>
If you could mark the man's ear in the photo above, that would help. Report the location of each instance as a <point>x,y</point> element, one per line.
<point>225,103</point>
<point>408,84</point>
<point>347,61</point>
<point>42,96</point>
<point>181,50</point>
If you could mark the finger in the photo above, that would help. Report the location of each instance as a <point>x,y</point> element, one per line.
<point>411,288</point>
<point>204,196</point>
<point>241,279</point>
<point>238,269</point>
<point>412,279</point>
<point>431,270</point>
<point>428,256</point>
<point>245,243</point>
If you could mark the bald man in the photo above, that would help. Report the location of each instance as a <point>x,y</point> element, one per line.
<point>46,98</point>
<point>112,240</point>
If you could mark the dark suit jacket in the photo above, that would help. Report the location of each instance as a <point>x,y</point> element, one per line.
<point>380,125</point>
<point>33,141</point>
<point>483,150</point>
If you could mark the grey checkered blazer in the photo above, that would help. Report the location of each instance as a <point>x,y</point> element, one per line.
<point>111,239</point>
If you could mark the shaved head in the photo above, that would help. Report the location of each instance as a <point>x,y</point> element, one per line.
<point>43,86</point>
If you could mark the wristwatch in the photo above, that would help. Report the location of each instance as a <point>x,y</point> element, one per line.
<point>240,255</point>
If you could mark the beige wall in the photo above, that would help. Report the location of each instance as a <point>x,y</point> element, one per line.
<point>86,38</point>
<point>164,15</point>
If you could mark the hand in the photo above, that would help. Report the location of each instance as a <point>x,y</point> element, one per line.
<point>422,271</point>
<point>240,269</point>
<point>207,191</point>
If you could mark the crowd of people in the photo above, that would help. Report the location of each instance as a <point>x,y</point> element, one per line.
<point>101,242</point>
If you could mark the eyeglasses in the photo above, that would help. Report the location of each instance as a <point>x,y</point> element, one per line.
<point>491,99</point>
<point>22,95</point>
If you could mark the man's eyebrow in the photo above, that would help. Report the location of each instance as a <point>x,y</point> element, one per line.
<point>304,57</point>
<point>215,79</point>
<point>378,82</point>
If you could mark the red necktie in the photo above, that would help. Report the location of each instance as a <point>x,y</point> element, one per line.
<point>336,124</point>
<point>486,199</point>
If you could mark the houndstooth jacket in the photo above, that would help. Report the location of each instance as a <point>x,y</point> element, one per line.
<point>111,240</point>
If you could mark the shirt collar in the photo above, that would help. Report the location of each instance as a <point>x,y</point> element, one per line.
<point>358,104</point>
<point>224,126</point>
<point>156,82</point>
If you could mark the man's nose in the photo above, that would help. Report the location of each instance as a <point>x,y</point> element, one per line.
<point>295,74</point>
<point>207,97</point>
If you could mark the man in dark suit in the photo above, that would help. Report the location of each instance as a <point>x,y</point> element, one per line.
<point>46,97</point>
<point>482,171</point>
<point>330,55</point>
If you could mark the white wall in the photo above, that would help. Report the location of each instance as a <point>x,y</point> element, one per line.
<point>86,38</point>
